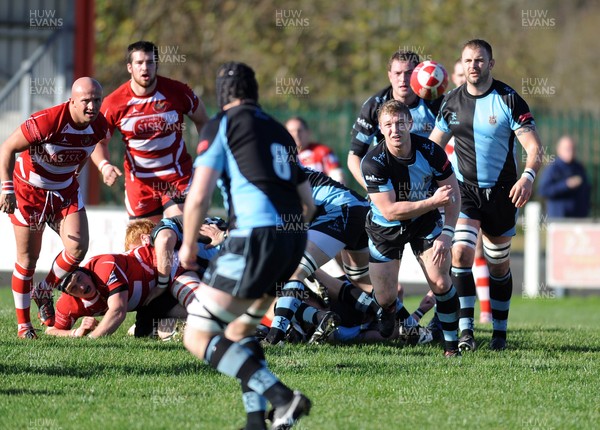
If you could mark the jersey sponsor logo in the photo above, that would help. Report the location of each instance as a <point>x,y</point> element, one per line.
<point>374,178</point>
<point>65,157</point>
<point>363,123</point>
<point>453,119</point>
<point>493,120</point>
<point>150,126</point>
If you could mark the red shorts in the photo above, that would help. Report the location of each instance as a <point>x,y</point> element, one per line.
<point>152,196</point>
<point>36,206</point>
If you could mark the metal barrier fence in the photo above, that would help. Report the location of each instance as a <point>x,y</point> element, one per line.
<point>39,83</point>
<point>332,126</point>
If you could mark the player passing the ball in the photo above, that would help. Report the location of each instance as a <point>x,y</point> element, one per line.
<point>400,174</point>
<point>486,118</point>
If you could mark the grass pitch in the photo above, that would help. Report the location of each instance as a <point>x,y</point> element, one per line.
<point>549,378</point>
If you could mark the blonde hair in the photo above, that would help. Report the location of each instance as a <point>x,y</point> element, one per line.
<point>134,231</point>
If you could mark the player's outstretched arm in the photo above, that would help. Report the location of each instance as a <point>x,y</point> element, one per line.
<point>194,211</point>
<point>114,317</point>
<point>87,325</point>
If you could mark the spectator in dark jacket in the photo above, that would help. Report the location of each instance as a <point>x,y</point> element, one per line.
<point>564,184</point>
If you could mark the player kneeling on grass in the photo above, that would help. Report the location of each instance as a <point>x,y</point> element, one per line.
<point>110,285</point>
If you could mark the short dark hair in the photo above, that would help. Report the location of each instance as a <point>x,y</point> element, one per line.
<point>392,107</point>
<point>402,55</point>
<point>143,46</point>
<point>235,81</point>
<point>478,43</point>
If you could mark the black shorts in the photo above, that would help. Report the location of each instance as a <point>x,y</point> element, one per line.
<point>387,243</point>
<point>491,206</point>
<point>251,262</point>
<point>348,227</point>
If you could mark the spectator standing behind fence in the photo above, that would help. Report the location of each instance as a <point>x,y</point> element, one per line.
<point>564,183</point>
<point>316,156</point>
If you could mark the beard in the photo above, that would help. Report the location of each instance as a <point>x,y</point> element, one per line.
<point>483,77</point>
<point>145,84</point>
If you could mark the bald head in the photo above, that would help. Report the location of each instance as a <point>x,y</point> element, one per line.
<point>565,149</point>
<point>86,97</point>
<point>86,84</point>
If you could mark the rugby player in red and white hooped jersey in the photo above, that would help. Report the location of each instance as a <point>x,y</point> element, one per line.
<point>41,188</point>
<point>149,112</point>
<point>314,155</point>
<point>112,285</point>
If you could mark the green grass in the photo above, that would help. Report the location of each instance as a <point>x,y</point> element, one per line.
<point>548,379</point>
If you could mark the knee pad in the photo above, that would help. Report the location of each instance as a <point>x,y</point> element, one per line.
<point>496,253</point>
<point>355,273</point>
<point>465,235</point>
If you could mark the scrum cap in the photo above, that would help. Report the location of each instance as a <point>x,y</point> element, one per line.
<point>235,81</point>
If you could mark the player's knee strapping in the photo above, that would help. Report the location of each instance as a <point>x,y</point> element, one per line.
<point>465,235</point>
<point>356,273</point>
<point>208,316</point>
<point>253,315</point>
<point>308,264</point>
<point>496,253</point>
<point>183,288</point>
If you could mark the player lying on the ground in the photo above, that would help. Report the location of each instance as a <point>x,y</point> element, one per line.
<point>166,237</point>
<point>112,285</point>
<point>338,226</point>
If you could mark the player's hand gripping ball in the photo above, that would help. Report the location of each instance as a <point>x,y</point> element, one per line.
<point>429,80</point>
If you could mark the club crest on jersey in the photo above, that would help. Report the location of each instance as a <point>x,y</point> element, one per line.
<point>159,106</point>
<point>493,120</point>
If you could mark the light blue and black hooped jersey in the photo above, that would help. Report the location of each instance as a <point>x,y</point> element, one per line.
<point>365,130</point>
<point>257,160</point>
<point>411,179</point>
<point>330,196</point>
<point>484,133</point>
